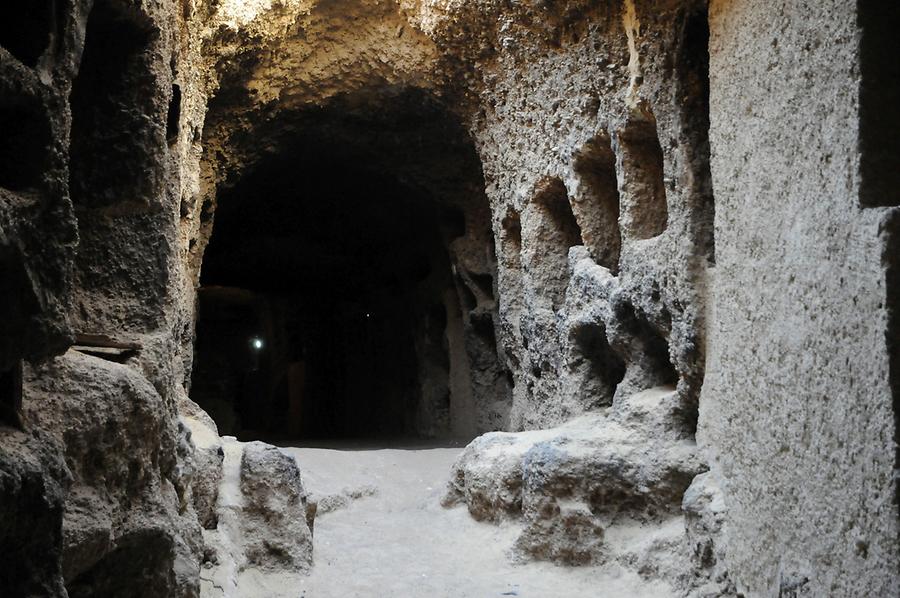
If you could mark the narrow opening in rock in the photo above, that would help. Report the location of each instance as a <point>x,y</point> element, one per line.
<point>879,96</point>
<point>24,143</point>
<point>11,395</point>
<point>18,304</point>
<point>112,139</point>
<point>484,283</point>
<point>510,261</point>
<point>510,257</point>
<point>693,92</point>
<point>641,184</point>
<point>174,115</point>
<point>483,326</point>
<point>551,198</point>
<point>25,29</point>
<point>509,273</point>
<point>467,297</point>
<point>596,202</point>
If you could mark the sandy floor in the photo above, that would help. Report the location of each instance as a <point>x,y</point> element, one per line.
<point>385,535</point>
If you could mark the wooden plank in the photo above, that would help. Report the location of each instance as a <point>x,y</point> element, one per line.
<point>101,340</point>
<point>101,351</point>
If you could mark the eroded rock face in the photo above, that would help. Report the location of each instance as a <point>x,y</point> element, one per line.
<point>206,461</point>
<point>569,484</point>
<point>33,484</point>
<point>575,139</point>
<point>264,520</point>
<point>123,518</point>
<point>277,517</point>
<point>704,513</point>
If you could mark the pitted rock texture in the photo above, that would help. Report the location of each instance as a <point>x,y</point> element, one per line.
<point>704,513</point>
<point>277,517</point>
<point>264,520</point>
<point>124,516</point>
<point>206,461</point>
<point>33,485</point>
<point>573,482</point>
<point>648,193</point>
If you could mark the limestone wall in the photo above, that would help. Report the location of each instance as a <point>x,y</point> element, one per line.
<point>796,408</point>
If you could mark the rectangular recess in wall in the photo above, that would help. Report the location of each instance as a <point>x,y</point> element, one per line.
<point>11,395</point>
<point>642,190</point>
<point>549,230</point>
<point>879,99</point>
<point>596,203</point>
<point>114,91</point>
<point>26,29</point>
<point>26,140</point>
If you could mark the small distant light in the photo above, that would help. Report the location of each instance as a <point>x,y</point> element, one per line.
<point>367,314</point>
<point>256,343</point>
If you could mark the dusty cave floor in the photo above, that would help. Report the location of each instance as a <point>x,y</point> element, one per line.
<point>381,532</point>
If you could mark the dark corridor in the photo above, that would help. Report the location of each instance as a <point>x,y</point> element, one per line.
<point>322,304</point>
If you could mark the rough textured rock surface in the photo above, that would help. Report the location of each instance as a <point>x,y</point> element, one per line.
<point>704,513</point>
<point>264,520</point>
<point>798,394</point>
<point>571,484</point>
<point>358,83</point>
<point>207,459</point>
<point>277,516</point>
<point>124,517</point>
<point>33,484</point>
<point>645,193</point>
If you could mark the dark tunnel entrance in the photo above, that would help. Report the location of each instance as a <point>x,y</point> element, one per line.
<point>330,308</point>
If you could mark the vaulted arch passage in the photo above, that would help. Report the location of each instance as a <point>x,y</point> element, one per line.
<point>340,298</point>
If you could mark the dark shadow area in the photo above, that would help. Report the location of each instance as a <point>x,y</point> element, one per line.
<point>18,304</point>
<point>26,28</point>
<point>879,96</point>
<point>646,350</point>
<point>322,307</point>
<point>598,368</point>
<point>11,396</point>
<point>692,87</point>
<point>25,139</point>
<point>173,117</point>
<point>123,571</point>
<point>112,138</point>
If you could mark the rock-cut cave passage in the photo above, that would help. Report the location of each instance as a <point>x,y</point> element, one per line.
<point>322,303</point>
